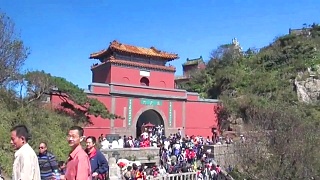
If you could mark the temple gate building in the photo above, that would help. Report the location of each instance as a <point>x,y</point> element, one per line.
<point>135,83</point>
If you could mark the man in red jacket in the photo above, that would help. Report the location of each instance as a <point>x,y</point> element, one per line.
<point>99,164</point>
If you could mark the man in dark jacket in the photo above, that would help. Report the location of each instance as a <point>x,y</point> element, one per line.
<point>47,162</point>
<point>99,164</point>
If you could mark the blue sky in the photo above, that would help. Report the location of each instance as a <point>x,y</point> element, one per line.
<point>62,33</point>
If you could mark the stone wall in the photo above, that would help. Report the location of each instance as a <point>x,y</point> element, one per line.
<point>224,155</point>
<point>144,155</point>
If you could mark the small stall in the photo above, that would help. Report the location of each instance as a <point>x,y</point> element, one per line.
<point>148,128</point>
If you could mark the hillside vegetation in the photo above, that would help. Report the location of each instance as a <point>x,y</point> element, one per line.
<point>258,86</point>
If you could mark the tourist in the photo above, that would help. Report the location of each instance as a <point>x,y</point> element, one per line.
<point>78,165</point>
<point>25,165</point>
<point>101,138</point>
<point>47,162</point>
<point>179,133</point>
<point>120,142</point>
<point>128,173</point>
<point>130,142</point>
<point>99,164</point>
<point>162,170</point>
<point>140,174</point>
<point>1,177</point>
<point>213,173</point>
<point>114,144</point>
<point>105,144</point>
<point>218,169</point>
<point>62,167</point>
<point>242,139</point>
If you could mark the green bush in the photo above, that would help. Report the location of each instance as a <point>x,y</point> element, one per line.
<point>44,125</point>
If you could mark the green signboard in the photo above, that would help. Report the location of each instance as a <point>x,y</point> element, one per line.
<point>170,114</point>
<point>151,102</point>
<point>129,118</point>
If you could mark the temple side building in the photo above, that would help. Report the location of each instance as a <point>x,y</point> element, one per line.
<point>189,67</point>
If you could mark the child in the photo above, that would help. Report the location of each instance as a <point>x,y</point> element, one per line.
<point>61,166</point>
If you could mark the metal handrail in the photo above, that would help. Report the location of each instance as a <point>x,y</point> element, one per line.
<point>186,176</point>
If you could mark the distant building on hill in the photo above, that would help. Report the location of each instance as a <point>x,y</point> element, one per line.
<point>298,32</point>
<point>189,67</point>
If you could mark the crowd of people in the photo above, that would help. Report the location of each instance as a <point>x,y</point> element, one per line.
<point>82,164</point>
<point>177,154</point>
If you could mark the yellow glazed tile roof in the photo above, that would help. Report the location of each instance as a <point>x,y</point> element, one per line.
<point>149,52</point>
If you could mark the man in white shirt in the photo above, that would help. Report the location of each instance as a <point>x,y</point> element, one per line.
<point>121,143</point>
<point>105,144</point>
<point>26,165</point>
<point>145,135</point>
<point>166,144</point>
<point>114,144</point>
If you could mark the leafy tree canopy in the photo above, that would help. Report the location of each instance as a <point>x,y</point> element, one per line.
<point>40,84</point>
<point>13,52</point>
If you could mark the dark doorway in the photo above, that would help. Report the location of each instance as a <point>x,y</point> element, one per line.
<point>144,81</point>
<point>149,116</point>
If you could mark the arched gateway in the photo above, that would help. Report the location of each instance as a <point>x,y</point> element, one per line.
<point>149,116</point>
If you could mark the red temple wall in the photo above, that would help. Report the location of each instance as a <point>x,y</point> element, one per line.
<point>200,117</point>
<point>98,122</point>
<point>100,89</point>
<point>149,91</point>
<point>101,73</point>
<point>178,114</point>
<point>124,75</point>
<point>193,96</point>
<point>121,109</point>
<point>162,79</point>
<point>99,125</point>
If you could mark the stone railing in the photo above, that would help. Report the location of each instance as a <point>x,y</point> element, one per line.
<point>186,176</point>
<point>151,155</point>
<point>143,155</point>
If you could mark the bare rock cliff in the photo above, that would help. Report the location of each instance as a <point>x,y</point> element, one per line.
<point>308,87</point>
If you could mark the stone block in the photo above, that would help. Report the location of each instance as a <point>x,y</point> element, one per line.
<point>144,155</point>
<point>114,169</point>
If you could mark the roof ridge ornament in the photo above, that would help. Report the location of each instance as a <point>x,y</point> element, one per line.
<point>115,42</point>
<point>155,49</point>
